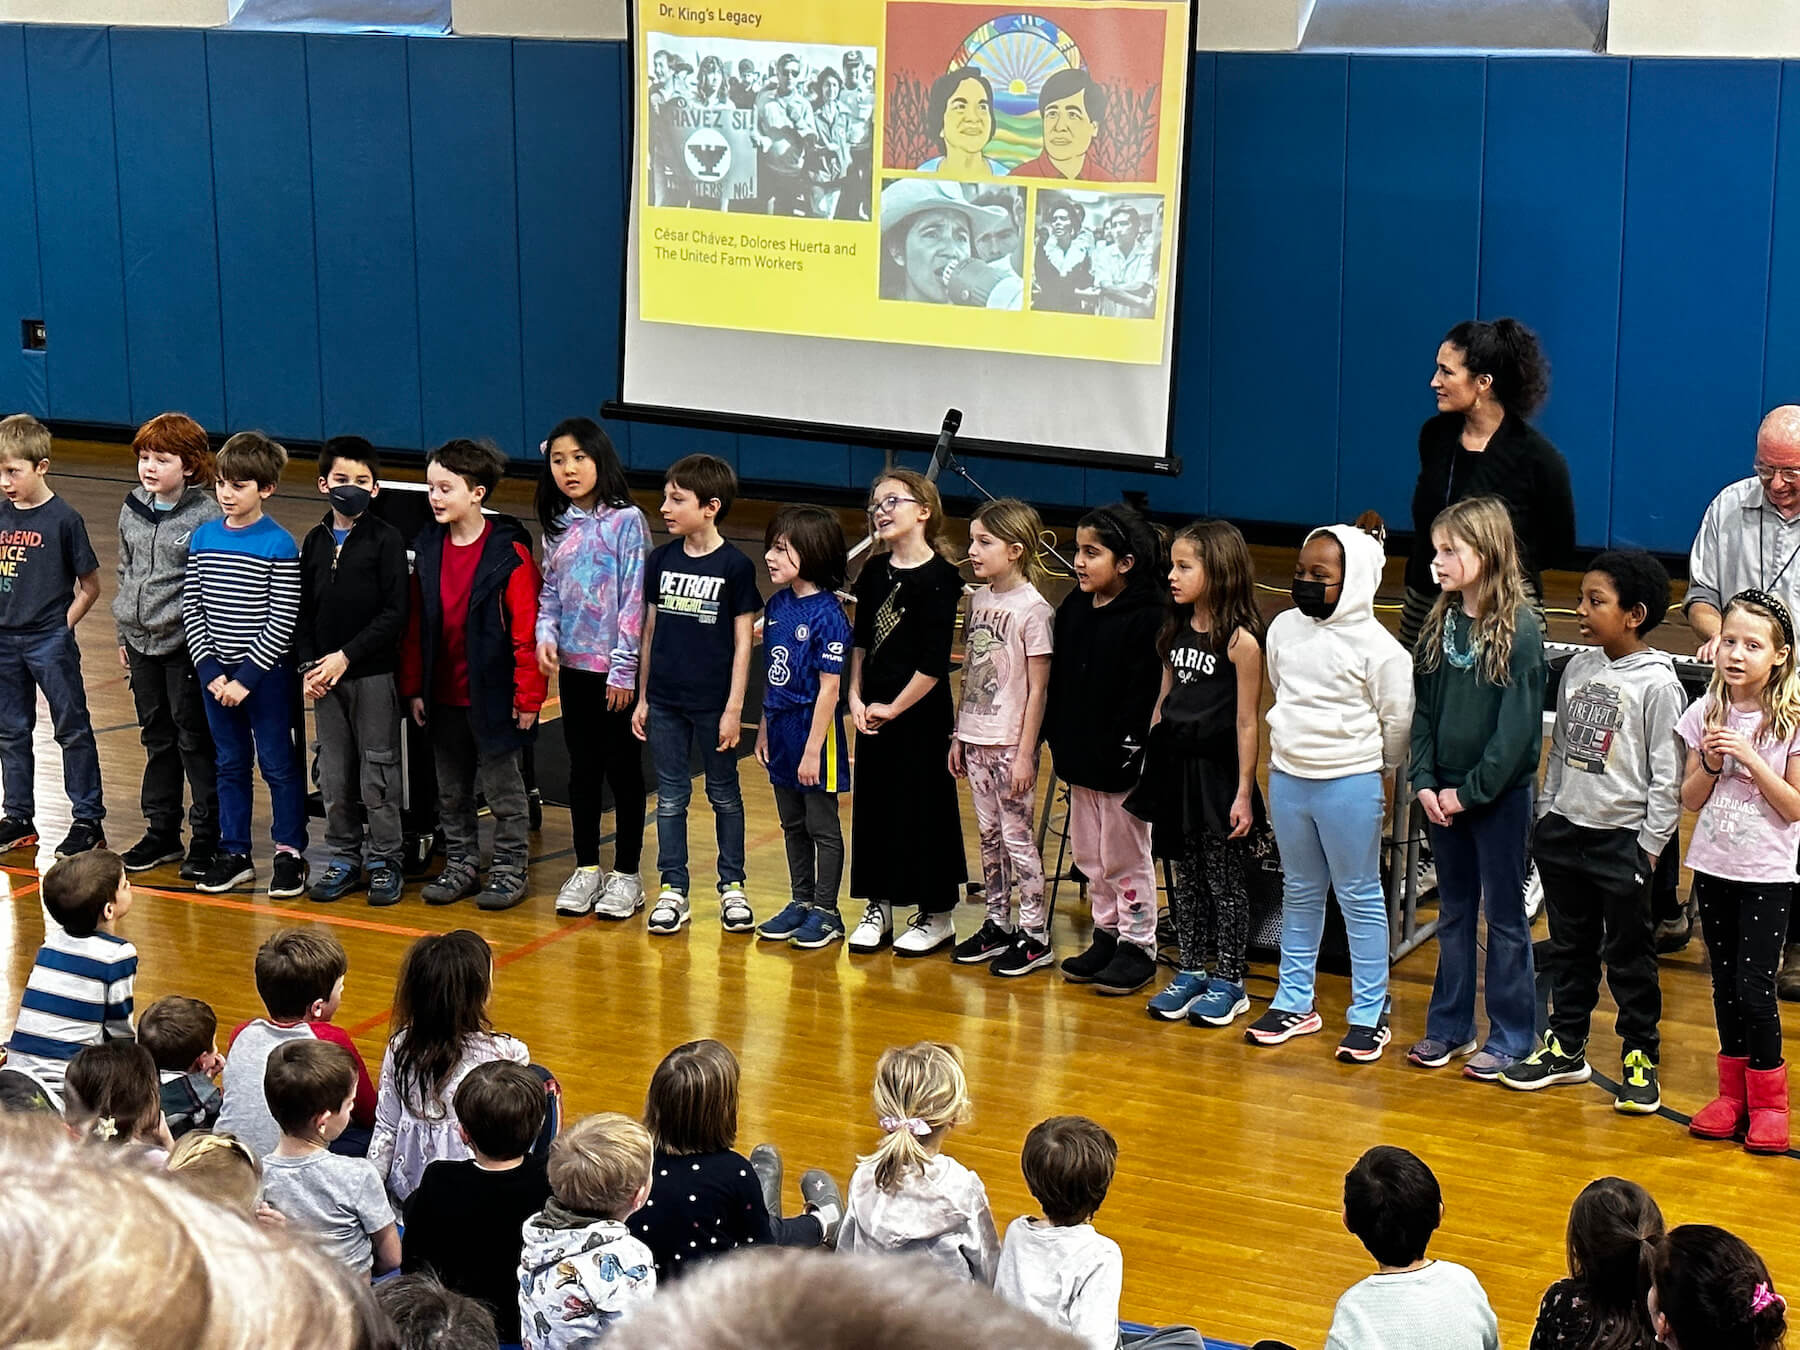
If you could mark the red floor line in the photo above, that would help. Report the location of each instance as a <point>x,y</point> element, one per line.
<point>298,915</point>
<point>541,941</point>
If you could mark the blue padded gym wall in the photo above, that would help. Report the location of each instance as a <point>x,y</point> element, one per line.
<point>415,238</point>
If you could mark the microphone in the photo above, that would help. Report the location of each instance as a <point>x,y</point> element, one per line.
<point>952,424</point>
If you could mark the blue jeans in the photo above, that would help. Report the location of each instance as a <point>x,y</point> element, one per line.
<point>1481,859</point>
<point>672,733</point>
<point>49,660</point>
<point>260,729</point>
<point>1329,832</point>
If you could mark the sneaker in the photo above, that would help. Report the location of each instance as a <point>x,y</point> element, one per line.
<point>1672,935</point>
<point>579,892</point>
<point>287,878</point>
<point>1026,954</point>
<point>1486,1066</point>
<point>765,1161</point>
<point>1638,1092</point>
<point>386,882</point>
<point>226,872</point>
<point>16,834</point>
<point>1362,1045</point>
<point>1221,1005</point>
<point>1274,1027</point>
<point>1082,969</point>
<point>735,914</point>
<point>337,881</point>
<point>1434,1054</point>
<point>785,924</point>
<point>1547,1066</point>
<point>669,913</point>
<point>988,941</point>
<point>621,897</point>
<point>875,930</point>
<point>1183,992</point>
<point>153,850</point>
<point>506,887</point>
<point>83,837</point>
<point>200,857</point>
<point>1534,891</point>
<point>1131,968</point>
<point>458,879</point>
<point>824,1201</point>
<point>822,928</point>
<point>925,934</point>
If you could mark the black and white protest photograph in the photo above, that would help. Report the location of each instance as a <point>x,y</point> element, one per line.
<point>952,243</point>
<point>1096,253</point>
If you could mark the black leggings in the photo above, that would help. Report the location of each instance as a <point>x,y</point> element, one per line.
<point>602,748</point>
<point>1211,905</point>
<point>1745,924</point>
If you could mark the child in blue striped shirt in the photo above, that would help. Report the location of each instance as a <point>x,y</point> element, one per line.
<point>240,607</point>
<point>80,988</point>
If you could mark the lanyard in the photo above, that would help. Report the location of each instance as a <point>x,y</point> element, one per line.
<point>1761,557</point>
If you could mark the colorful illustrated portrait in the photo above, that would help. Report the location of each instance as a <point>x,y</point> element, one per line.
<point>1096,253</point>
<point>1053,92</point>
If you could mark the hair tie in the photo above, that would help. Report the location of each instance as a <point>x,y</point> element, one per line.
<point>911,1124</point>
<point>105,1128</point>
<point>1763,1297</point>
<point>1773,605</point>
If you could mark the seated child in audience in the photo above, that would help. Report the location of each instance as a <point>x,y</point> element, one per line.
<point>300,979</point>
<point>219,1167</point>
<point>311,1087</point>
<point>906,1196</point>
<point>110,1095</point>
<point>463,1222</point>
<point>428,1316</point>
<point>80,986</point>
<point>1613,1226</point>
<point>582,1269</point>
<point>440,1033</point>
<point>702,1186</point>
<point>180,1035</point>
<point>1708,1288</point>
<point>1393,1206</point>
<point>1058,1267</point>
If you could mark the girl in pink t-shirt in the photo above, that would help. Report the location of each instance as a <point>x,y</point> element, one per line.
<point>1743,777</point>
<point>1006,675</point>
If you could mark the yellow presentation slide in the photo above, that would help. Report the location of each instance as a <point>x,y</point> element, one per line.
<point>971,176</point>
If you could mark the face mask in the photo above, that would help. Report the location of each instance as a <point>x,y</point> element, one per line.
<point>1309,599</point>
<point>348,500</point>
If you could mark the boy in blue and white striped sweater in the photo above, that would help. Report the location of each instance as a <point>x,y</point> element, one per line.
<point>80,988</point>
<point>240,607</point>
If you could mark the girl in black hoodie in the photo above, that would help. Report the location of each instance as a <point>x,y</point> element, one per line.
<point>1104,679</point>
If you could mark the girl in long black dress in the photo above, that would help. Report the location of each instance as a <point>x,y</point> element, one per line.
<point>905,821</point>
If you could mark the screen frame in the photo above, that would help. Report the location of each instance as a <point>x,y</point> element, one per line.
<point>1168,463</point>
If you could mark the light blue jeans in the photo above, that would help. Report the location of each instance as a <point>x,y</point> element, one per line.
<point>1329,831</point>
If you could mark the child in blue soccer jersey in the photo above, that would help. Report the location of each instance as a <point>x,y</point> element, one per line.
<point>806,642</point>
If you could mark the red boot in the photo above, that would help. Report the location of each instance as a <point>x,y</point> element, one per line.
<point>1726,1115</point>
<point>1768,1096</point>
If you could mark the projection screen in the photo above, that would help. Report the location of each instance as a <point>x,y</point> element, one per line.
<point>848,215</point>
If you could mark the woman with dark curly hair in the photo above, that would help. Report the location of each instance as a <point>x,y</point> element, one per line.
<point>1490,378</point>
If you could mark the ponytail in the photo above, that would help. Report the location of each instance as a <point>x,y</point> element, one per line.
<point>1509,353</point>
<point>920,1093</point>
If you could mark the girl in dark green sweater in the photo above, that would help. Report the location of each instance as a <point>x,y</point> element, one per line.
<point>1477,734</point>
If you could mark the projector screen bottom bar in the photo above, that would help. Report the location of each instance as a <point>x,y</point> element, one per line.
<point>879,439</point>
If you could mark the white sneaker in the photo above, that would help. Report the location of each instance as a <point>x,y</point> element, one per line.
<point>1534,893</point>
<point>876,929</point>
<point>735,914</point>
<point>926,934</point>
<point>577,894</point>
<point>670,913</point>
<point>621,896</point>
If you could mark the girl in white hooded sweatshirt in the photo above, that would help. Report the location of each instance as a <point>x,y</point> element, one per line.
<point>1341,722</point>
<point>906,1197</point>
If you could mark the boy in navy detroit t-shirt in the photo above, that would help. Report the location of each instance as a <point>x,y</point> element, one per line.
<point>696,660</point>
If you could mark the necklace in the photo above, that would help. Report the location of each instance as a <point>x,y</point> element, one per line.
<point>1462,660</point>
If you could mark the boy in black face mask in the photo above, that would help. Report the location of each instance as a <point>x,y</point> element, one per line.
<point>352,617</point>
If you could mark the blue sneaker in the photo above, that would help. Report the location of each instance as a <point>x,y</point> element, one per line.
<point>1223,1003</point>
<point>822,928</point>
<point>338,881</point>
<point>785,924</point>
<point>1183,992</point>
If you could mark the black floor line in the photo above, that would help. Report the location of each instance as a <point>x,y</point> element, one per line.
<point>1608,1086</point>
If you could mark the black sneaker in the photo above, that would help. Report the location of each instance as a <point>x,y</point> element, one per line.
<point>1547,1066</point>
<point>1638,1092</point>
<point>83,837</point>
<point>226,872</point>
<point>457,880</point>
<point>386,882</point>
<point>989,941</point>
<point>153,850</point>
<point>287,878</point>
<point>200,856</point>
<point>506,887</point>
<point>1273,1027</point>
<point>1082,969</point>
<point>1026,954</point>
<point>1130,969</point>
<point>1362,1045</point>
<point>16,834</point>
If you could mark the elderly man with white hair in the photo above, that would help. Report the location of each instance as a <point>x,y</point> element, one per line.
<point>1750,537</point>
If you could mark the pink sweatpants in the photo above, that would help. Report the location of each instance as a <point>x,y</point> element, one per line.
<point>1112,849</point>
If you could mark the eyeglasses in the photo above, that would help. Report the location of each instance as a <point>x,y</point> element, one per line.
<point>1769,473</point>
<point>887,504</point>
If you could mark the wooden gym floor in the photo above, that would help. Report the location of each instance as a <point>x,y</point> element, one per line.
<point>1227,1198</point>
